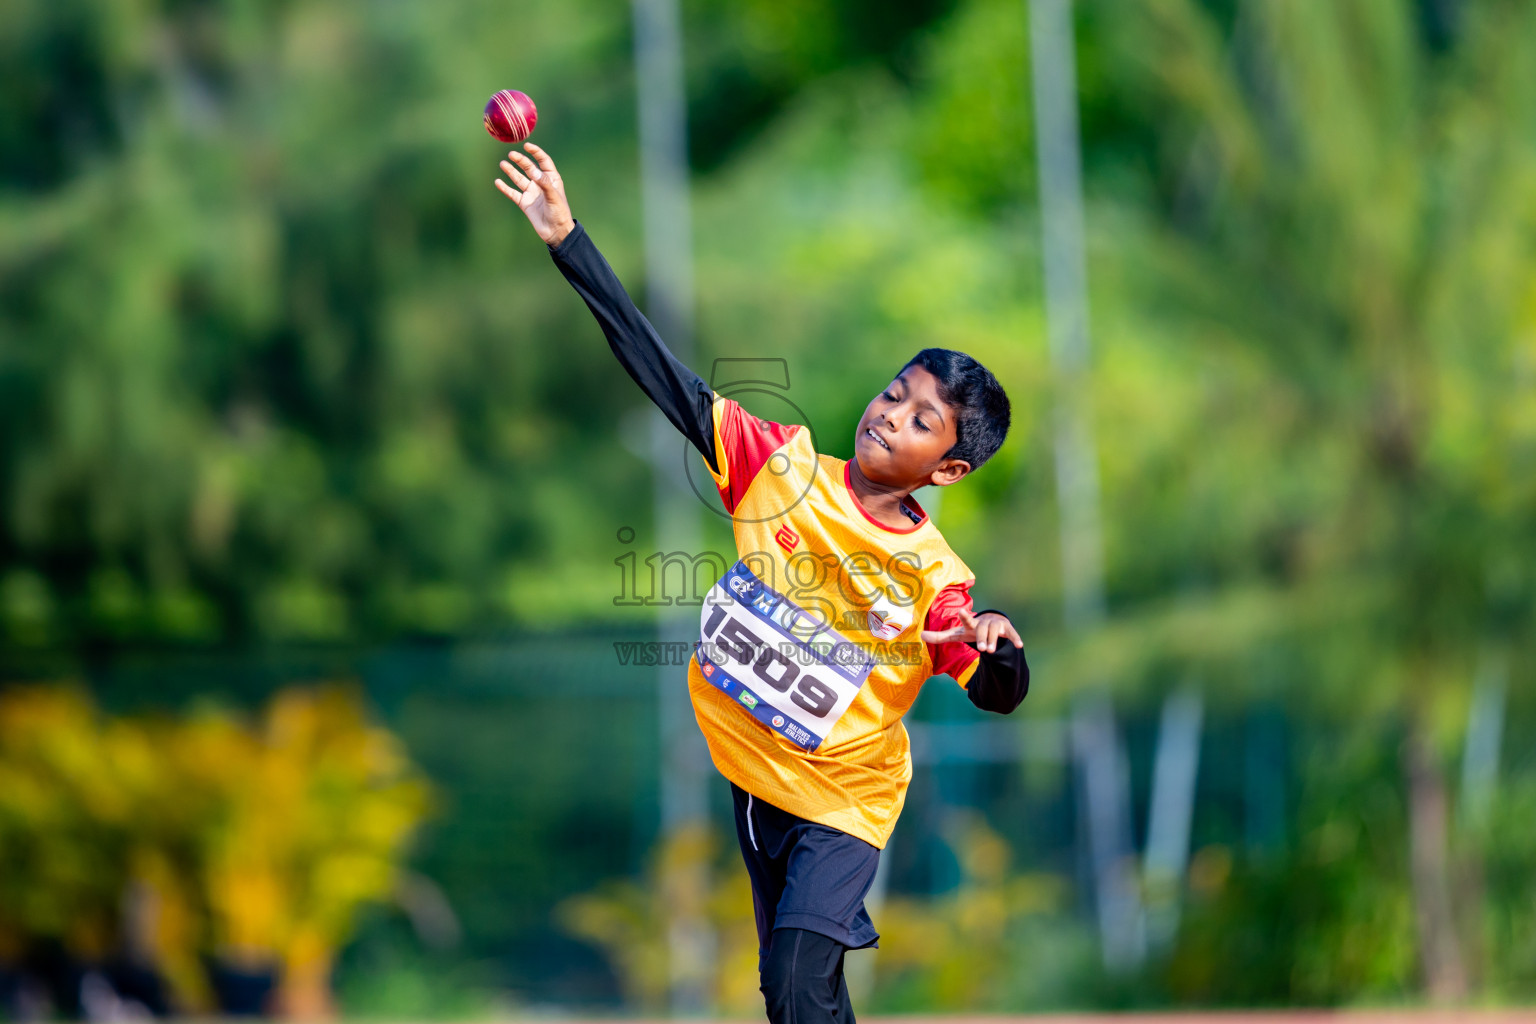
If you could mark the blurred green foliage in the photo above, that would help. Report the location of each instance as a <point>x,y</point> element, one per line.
<point>964,949</point>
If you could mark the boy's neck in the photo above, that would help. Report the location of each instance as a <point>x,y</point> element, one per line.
<point>882,501</point>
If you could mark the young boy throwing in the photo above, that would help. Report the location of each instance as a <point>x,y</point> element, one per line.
<point>845,598</point>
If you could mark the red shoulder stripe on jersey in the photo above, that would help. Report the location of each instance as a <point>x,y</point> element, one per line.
<point>953,658</point>
<point>748,442</point>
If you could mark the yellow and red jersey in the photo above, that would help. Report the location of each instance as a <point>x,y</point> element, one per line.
<point>804,539</point>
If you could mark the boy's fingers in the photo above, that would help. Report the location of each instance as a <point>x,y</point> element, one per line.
<point>526,164</point>
<point>543,157</point>
<point>545,181</point>
<point>983,631</point>
<point>516,175</point>
<point>509,192</point>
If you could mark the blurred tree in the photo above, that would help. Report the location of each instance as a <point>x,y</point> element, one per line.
<point>1360,196</point>
<point>259,377</point>
<point>273,362</point>
<point>750,58</point>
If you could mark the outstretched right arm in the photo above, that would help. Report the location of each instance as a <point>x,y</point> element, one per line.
<point>682,395</point>
<point>679,392</point>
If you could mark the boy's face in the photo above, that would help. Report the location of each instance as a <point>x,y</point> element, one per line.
<point>904,433</point>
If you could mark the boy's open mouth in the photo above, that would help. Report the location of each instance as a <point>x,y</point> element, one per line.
<point>878,440</point>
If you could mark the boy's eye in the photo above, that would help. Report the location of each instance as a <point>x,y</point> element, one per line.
<point>888,395</point>
<point>920,424</point>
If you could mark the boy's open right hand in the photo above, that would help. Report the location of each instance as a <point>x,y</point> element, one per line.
<point>984,631</point>
<point>540,193</point>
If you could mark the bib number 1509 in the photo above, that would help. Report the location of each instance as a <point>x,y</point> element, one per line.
<point>767,664</point>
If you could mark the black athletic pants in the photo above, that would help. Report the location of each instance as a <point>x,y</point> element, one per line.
<point>803,979</point>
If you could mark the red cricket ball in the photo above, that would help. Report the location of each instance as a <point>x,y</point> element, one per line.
<point>510,116</point>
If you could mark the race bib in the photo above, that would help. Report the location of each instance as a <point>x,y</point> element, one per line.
<point>782,665</point>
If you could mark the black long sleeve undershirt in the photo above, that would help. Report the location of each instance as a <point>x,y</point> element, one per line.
<point>682,395</point>
<point>1001,679</point>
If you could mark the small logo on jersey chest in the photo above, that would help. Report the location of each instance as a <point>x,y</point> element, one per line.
<point>888,621</point>
<point>787,538</point>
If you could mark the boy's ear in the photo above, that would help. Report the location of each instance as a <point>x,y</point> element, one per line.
<point>949,471</point>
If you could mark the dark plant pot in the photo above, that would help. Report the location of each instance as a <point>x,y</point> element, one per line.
<point>241,991</point>
<point>60,974</point>
<point>142,984</point>
<point>10,992</point>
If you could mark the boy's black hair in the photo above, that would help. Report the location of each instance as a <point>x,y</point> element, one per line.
<point>980,404</point>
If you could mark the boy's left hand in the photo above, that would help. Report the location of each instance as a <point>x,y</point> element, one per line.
<point>982,630</point>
